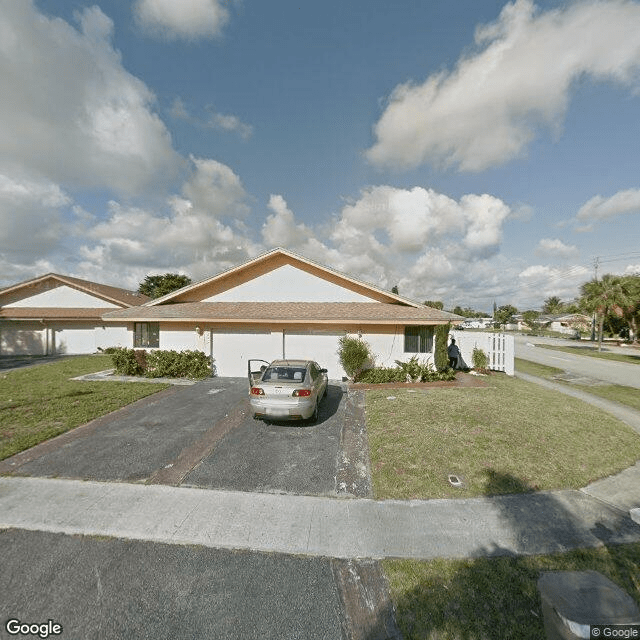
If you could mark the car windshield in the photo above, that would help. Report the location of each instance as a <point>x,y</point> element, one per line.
<point>283,373</point>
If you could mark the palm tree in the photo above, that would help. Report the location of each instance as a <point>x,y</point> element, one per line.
<point>601,296</point>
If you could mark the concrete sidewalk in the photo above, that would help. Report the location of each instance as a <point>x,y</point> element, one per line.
<point>536,523</point>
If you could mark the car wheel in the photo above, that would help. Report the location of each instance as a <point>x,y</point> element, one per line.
<point>314,416</point>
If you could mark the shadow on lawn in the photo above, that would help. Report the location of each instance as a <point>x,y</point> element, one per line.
<point>494,595</point>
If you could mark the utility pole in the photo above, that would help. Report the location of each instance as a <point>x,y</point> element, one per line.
<point>596,263</point>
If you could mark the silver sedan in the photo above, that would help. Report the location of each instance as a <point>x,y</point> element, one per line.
<point>286,389</point>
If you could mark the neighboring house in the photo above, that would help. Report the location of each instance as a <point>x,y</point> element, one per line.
<point>567,323</point>
<point>56,314</point>
<point>477,323</point>
<point>281,305</point>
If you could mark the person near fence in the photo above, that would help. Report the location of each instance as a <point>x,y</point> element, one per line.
<point>454,354</point>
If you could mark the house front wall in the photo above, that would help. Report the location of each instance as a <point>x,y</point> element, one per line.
<point>232,346</point>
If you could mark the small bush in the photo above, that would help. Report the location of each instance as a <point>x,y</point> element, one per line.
<point>125,362</point>
<point>178,364</point>
<point>354,354</point>
<point>480,360</point>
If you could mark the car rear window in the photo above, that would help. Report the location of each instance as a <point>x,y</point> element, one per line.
<point>284,374</point>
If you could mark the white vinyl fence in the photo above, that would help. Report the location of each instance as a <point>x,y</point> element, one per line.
<point>499,347</point>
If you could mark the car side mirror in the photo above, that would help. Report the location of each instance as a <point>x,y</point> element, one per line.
<point>323,371</point>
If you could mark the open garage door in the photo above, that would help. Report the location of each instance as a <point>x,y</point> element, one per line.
<point>232,349</point>
<point>321,347</point>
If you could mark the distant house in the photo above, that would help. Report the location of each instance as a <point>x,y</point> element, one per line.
<point>281,305</point>
<point>567,323</point>
<point>476,323</point>
<point>56,314</point>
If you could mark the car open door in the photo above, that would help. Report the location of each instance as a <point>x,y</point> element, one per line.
<point>255,369</point>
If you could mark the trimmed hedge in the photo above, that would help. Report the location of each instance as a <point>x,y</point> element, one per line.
<point>161,364</point>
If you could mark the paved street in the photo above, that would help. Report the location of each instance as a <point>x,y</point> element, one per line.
<point>608,371</point>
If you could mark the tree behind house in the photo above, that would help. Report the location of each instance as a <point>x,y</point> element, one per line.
<point>157,286</point>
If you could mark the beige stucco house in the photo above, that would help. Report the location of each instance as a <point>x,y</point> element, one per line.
<point>56,314</point>
<point>281,305</point>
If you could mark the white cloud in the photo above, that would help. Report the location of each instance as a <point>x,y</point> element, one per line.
<point>538,282</point>
<point>32,222</point>
<point>280,228</point>
<point>555,248</point>
<point>599,208</point>
<point>69,109</point>
<point>195,233</point>
<point>214,189</point>
<point>418,218</point>
<point>187,19</point>
<point>489,108</point>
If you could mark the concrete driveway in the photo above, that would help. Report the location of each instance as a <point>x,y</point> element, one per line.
<point>203,436</point>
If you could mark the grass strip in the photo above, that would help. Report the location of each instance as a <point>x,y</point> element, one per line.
<point>628,396</point>
<point>630,358</point>
<point>493,597</point>
<point>40,402</point>
<point>510,437</point>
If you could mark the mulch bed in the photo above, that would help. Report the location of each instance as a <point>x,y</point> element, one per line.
<point>463,380</point>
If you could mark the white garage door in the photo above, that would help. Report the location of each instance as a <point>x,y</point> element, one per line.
<point>26,338</point>
<point>321,347</point>
<point>75,340</point>
<point>231,350</point>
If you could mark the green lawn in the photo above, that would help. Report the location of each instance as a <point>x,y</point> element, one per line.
<point>631,358</point>
<point>493,597</point>
<point>510,437</point>
<point>624,395</point>
<point>40,402</point>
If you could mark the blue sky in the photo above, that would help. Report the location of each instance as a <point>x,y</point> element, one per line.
<point>465,151</point>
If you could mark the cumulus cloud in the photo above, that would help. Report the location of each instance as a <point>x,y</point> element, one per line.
<point>555,248</point>
<point>280,229</point>
<point>32,222</point>
<point>417,218</point>
<point>599,208</point>
<point>490,107</point>
<point>70,111</point>
<point>538,282</point>
<point>186,19</point>
<point>195,232</point>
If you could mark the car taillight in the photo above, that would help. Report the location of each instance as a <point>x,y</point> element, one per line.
<point>257,391</point>
<point>301,393</point>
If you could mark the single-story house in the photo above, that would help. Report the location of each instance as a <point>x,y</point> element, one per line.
<point>281,305</point>
<point>567,323</point>
<point>56,314</point>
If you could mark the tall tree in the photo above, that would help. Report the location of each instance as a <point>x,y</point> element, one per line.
<point>553,305</point>
<point>631,311</point>
<point>157,286</point>
<point>601,297</point>
<point>504,313</point>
